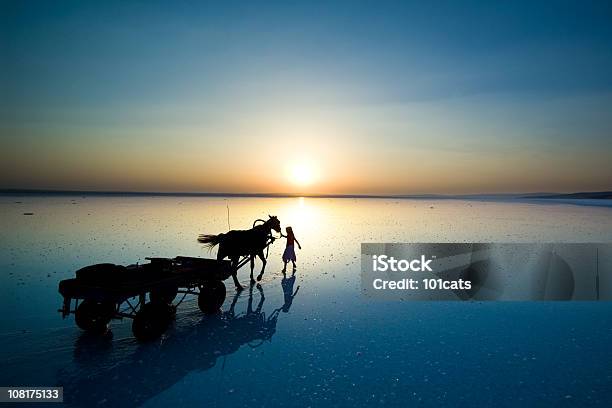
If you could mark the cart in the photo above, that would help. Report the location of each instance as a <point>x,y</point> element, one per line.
<point>144,293</point>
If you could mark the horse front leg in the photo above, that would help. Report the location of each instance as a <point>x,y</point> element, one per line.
<point>252,267</point>
<point>235,273</point>
<point>263,266</point>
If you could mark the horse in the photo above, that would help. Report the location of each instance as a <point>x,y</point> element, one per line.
<point>237,243</point>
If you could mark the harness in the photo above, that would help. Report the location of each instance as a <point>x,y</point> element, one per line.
<point>270,237</point>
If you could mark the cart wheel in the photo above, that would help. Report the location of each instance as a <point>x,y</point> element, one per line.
<point>94,316</point>
<point>152,320</point>
<point>165,295</point>
<point>211,297</point>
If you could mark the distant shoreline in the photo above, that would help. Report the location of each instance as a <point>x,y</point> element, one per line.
<point>596,195</point>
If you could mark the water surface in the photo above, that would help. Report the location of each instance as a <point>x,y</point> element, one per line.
<point>330,347</point>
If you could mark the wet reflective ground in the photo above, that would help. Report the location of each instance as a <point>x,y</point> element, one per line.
<point>322,346</point>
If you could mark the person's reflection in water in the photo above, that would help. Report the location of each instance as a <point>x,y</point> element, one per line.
<point>125,373</point>
<point>287,285</point>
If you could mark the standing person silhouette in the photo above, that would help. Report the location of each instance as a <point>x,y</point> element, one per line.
<point>289,254</point>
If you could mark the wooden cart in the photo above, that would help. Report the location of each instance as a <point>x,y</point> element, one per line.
<point>143,292</point>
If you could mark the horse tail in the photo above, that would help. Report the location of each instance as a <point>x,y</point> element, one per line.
<point>210,241</point>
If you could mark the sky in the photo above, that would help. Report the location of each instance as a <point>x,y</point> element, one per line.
<point>306,97</point>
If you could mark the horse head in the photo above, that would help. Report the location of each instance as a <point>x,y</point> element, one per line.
<point>274,223</point>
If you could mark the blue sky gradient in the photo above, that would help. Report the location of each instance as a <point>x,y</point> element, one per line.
<point>485,97</point>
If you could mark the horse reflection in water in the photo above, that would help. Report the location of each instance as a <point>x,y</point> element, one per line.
<point>111,374</point>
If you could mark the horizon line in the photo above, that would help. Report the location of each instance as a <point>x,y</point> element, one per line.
<point>589,194</point>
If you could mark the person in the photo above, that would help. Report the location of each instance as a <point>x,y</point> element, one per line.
<point>289,254</point>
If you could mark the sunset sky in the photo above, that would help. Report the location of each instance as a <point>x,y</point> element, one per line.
<point>306,97</point>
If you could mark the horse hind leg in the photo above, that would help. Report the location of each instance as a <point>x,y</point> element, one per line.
<point>235,273</point>
<point>263,266</point>
<point>252,267</point>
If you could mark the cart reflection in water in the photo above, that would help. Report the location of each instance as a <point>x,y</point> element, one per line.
<point>114,377</point>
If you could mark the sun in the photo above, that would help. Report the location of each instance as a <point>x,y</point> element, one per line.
<point>302,174</point>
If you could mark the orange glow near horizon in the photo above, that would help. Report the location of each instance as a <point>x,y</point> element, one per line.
<point>321,155</point>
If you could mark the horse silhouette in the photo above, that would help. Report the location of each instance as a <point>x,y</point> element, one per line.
<point>237,243</point>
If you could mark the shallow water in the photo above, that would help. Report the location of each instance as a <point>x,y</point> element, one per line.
<point>331,346</point>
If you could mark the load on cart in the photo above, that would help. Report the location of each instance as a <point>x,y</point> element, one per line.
<point>146,292</point>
